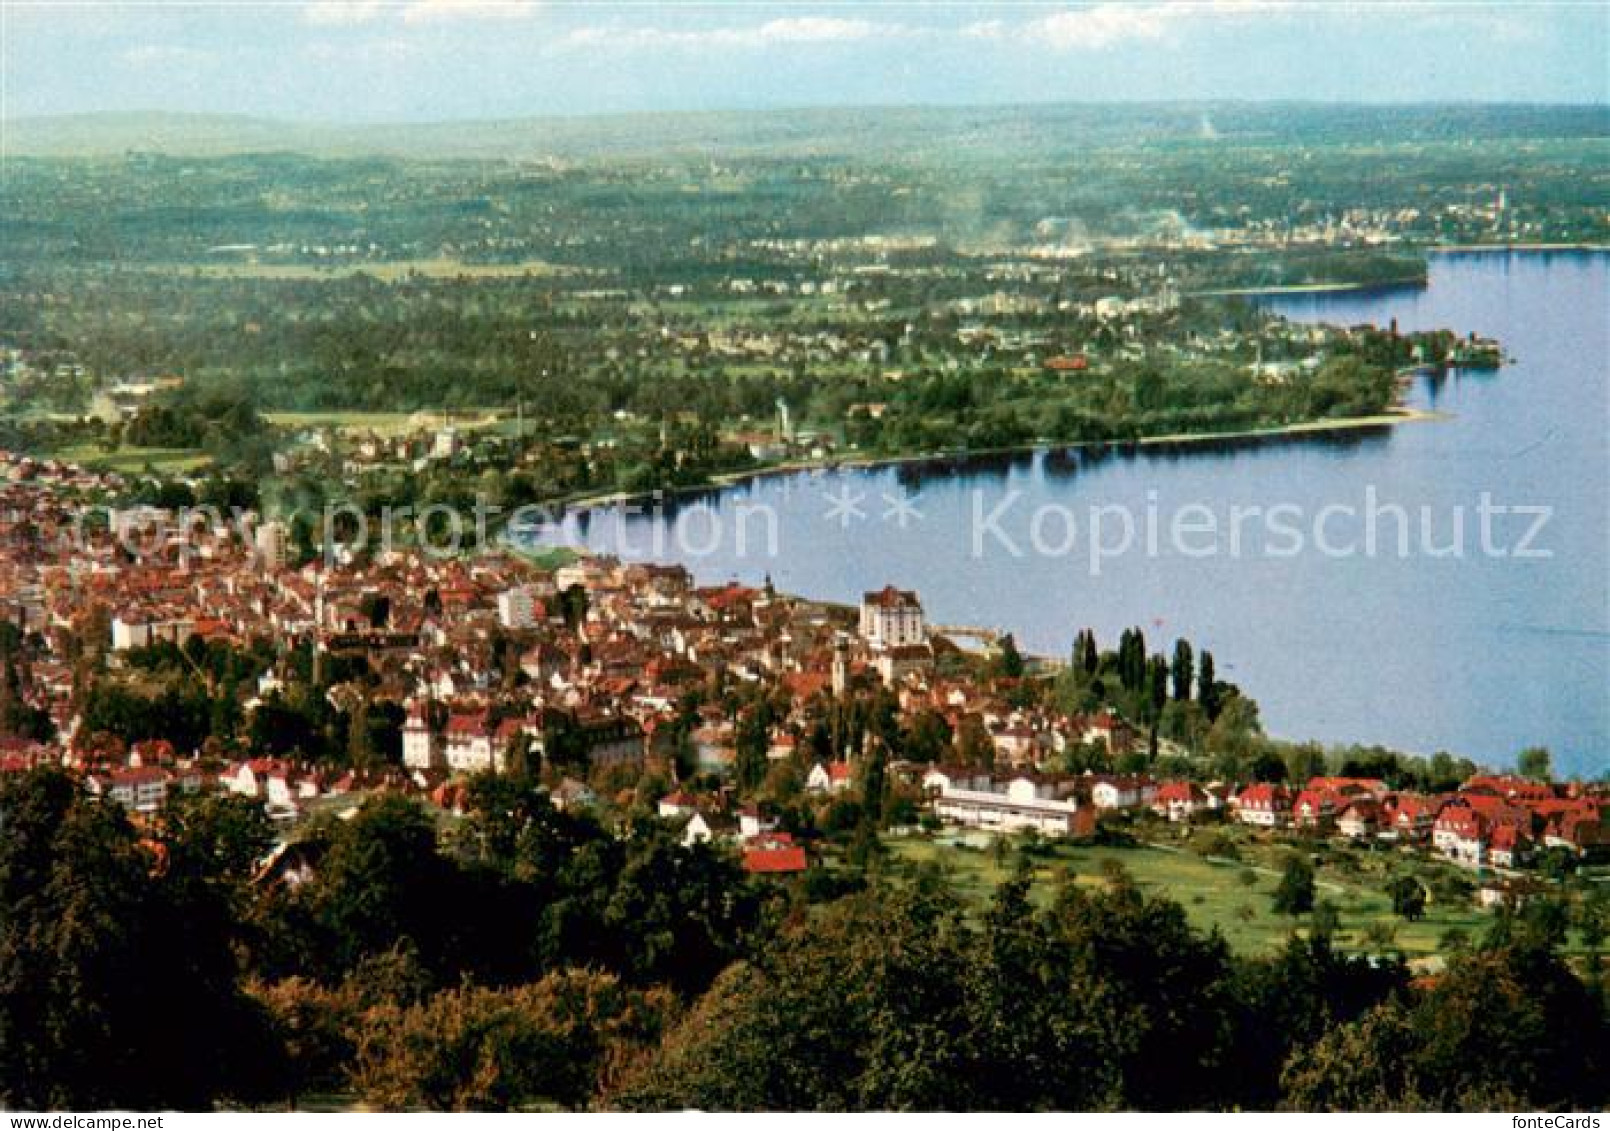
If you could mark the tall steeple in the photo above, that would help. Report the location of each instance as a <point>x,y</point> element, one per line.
<point>841,664</point>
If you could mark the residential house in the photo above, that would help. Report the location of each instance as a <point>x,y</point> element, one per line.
<point>1359,819</point>
<point>1408,817</point>
<point>1121,791</point>
<point>1508,847</point>
<point>831,777</point>
<point>1460,834</point>
<point>773,854</point>
<point>680,806</point>
<point>1264,805</point>
<point>141,789</point>
<point>468,744</point>
<point>1179,800</point>
<point>1316,808</point>
<point>754,823</point>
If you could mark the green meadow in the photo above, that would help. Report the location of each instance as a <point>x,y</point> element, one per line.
<point>133,461</point>
<point>1231,896</point>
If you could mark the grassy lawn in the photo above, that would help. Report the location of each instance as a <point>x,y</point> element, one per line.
<point>549,557</point>
<point>133,461</point>
<point>439,267</point>
<point>1232,896</point>
<point>387,423</point>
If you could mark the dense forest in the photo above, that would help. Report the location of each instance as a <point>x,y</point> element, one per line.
<point>528,956</point>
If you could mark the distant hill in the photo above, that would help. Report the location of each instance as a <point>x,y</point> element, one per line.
<point>818,132</point>
<point>111,133</point>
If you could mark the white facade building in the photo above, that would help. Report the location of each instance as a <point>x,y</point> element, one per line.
<point>419,744</point>
<point>271,546</point>
<point>892,618</point>
<point>517,607</point>
<point>136,633</point>
<point>1022,802</point>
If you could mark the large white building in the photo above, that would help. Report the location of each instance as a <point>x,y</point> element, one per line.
<point>137,633</point>
<point>517,607</point>
<point>1024,801</point>
<point>271,544</point>
<point>421,750</point>
<point>892,618</point>
<point>468,744</point>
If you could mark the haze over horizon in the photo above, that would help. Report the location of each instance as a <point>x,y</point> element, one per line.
<point>407,61</point>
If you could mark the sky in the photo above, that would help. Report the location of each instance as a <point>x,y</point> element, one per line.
<point>433,60</point>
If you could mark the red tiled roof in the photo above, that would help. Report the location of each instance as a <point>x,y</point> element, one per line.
<point>780,860</point>
<point>890,598</point>
<point>1264,795</point>
<point>466,724</point>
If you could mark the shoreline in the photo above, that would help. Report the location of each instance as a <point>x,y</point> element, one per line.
<point>1428,250</point>
<point>724,480</point>
<point>1489,248</point>
<point>1314,288</point>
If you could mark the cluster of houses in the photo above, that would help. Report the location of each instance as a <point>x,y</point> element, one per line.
<point>1492,820</point>
<point>143,780</point>
<point>489,660</point>
<point>1495,821</point>
<point>766,849</point>
<point>150,774</point>
<point>485,656</point>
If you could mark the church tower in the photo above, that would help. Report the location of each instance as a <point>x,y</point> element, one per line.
<point>841,664</point>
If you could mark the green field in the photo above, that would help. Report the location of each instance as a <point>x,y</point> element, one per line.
<point>387,423</point>
<point>439,267</point>
<point>1215,894</point>
<point>550,557</point>
<point>133,461</point>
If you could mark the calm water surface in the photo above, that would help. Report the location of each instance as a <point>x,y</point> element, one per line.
<point>1472,653</point>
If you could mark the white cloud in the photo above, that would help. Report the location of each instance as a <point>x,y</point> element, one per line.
<point>438,11</point>
<point>341,13</point>
<point>792,31</point>
<point>1098,27</point>
<point>986,29</point>
<point>1083,27</point>
<point>1094,27</point>
<point>821,29</point>
<point>350,13</point>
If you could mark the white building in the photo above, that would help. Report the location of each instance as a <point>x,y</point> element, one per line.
<point>892,618</point>
<point>1115,791</point>
<point>679,806</point>
<point>267,779</point>
<point>832,777</point>
<point>517,607</point>
<point>1025,801</point>
<point>271,546</point>
<point>420,751</point>
<point>136,633</point>
<point>1179,801</point>
<point>1460,834</point>
<point>752,822</point>
<point>445,444</point>
<point>1264,805</point>
<point>468,747</point>
<point>139,790</point>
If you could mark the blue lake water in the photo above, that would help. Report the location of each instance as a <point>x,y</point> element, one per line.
<point>1470,652</point>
